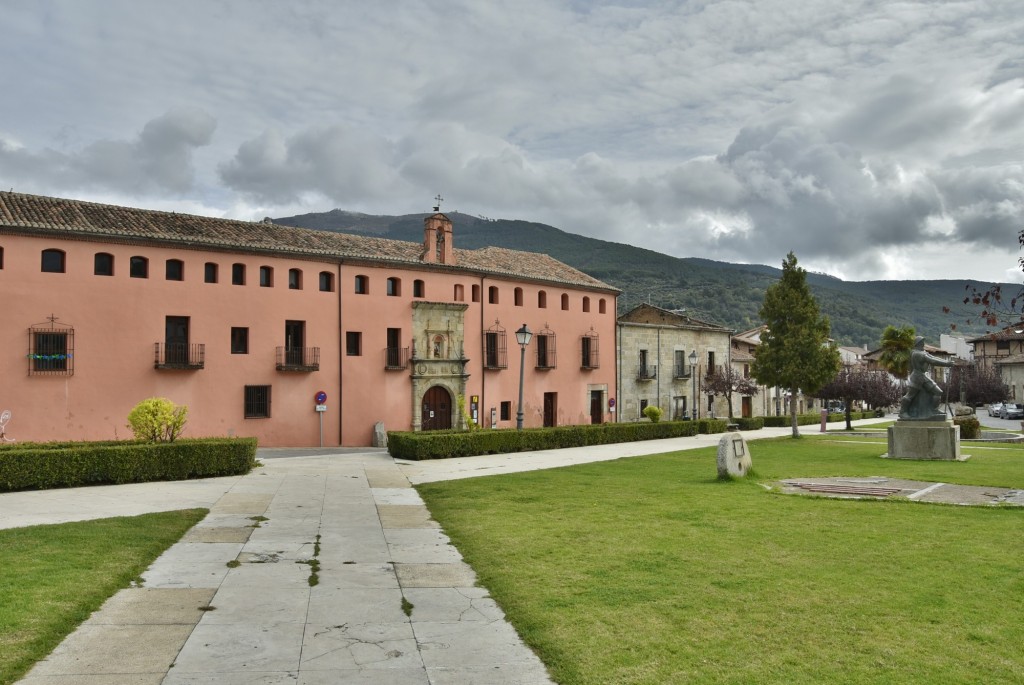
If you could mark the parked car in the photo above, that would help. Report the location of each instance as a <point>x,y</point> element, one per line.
<point>994,408</point>
<point>1012,411</point>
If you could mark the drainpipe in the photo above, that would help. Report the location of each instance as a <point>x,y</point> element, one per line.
<point>483,374</point>
<point>341,355</point>
<point>618,366</point>
<point>657,380</point>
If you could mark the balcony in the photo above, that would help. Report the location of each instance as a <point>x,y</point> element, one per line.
<point>301,359</point>
<point>680,371</point>
<point>187,356</point>
<point>396,358</point>
<point>647,372</point>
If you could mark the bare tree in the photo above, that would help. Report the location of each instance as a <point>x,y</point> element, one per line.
<point>725,381</point>
<point>874,387</point>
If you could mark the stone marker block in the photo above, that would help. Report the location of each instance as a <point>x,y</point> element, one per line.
<point>915,439</point>
<point>733,456</point>
<point>380,436</point>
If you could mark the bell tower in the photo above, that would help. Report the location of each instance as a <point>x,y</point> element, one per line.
<point>437,237</point>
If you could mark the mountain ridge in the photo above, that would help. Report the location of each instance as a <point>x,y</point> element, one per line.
<point>721,292</point>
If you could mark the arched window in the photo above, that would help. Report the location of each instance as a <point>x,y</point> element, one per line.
<point>492,294</point>
<point>460,292</point>
<point>601,308</point>
<point>266,277</point>
<point>565,302</point>
<point>518,295</point>
<point>418,288</point>
<point>103,264</point>
<point>326,282</point>
<point>138,267</point>
<point>542,300</point>
<point>394,287</point>
<point>295,279</point>
<point>476,293</point>
<point>174,270</point>
<point>53,261</point>
<point>238,274</point>
<point>362,285</point>
<point>586,303</point>
<point>210,272</point>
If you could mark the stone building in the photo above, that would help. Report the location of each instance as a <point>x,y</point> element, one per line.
<point>663,356</point>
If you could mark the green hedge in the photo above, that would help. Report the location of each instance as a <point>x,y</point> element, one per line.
<point>750,424</point>
<point>39,466</point>
<point>813,419</point>
<point>417,446</point>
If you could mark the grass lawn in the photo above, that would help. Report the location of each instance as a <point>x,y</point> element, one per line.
<point>649,570</point>
<point>53,577</point>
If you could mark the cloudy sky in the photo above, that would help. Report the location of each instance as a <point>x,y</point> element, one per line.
<point>874,139</point>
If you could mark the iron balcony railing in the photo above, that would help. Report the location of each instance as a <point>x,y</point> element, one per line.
<point>647,372</point>
<point>298,358</point>
<point>396,358</point>
<point>179,356</point>
<point>680,371</point>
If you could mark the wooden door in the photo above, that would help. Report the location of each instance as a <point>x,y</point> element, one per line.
<point>596,408</point>
<point>437,410</point>
<point>550,409</point>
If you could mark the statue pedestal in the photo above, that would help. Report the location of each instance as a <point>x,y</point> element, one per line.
<point>916,439</point>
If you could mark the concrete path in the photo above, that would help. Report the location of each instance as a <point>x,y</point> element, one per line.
<point>393,601</point>
<point>232,602</point>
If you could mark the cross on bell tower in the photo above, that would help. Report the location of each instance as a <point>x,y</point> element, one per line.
<point>438,200</point>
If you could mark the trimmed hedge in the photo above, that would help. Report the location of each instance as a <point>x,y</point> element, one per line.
<point>416,446</point>
<point>751,423</point>
<point>39,466</point>
<point>814,419</point>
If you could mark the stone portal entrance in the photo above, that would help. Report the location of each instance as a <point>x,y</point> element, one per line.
<point>438,365</point>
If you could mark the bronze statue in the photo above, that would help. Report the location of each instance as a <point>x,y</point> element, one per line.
<point>921,402</point>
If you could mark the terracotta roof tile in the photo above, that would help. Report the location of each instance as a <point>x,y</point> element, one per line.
<point>74,218</point>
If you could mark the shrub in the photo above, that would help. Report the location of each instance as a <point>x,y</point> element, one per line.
<point>71,464</point>
<point>157,420</point>
<point>653,413</point>
<point>751,423</point>
<point>970,427</point>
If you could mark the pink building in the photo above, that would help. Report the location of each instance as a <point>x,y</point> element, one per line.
<point>246,323</point>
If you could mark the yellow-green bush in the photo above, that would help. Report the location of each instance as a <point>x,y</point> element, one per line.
<point>157,419</point>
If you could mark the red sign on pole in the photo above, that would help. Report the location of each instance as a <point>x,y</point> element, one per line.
<point>321,397</point>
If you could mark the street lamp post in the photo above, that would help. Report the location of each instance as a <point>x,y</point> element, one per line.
<point>523,336</point>
<point>693,373</point>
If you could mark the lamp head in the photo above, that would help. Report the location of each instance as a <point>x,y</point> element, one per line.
<point>524,335</point>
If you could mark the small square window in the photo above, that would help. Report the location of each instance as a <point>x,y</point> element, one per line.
<point>53,261</point>
<point>239,340</point>
<point>257,401</point>
<point>506,411</point>
<point>103,264</point>
<point>138,267</point>
<point>266,277</point>
<point>362,285</point>
<point>418,288</point>
<point>238,274</point>
<point>294,279</point>
<point>175,270</point>
<point>326,282</point>
<point>353,343</point>
<point>210,272</point>
<point>394,287</point>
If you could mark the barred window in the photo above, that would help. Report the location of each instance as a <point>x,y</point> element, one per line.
<point>257,401</point>
<point>51,349</point>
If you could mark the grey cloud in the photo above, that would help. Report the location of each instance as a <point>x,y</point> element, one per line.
<point>158,159</point>
<point>338,162</point>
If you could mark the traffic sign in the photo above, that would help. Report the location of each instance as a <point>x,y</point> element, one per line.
<point>321,397</point>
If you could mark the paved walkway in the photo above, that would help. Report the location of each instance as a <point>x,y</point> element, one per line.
<point>232,602</point>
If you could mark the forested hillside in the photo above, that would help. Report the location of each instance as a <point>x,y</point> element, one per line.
<point>729,294</point>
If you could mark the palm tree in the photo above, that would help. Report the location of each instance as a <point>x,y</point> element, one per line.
<point>897,344</point>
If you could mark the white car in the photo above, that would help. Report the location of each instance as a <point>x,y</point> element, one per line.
<point>995,408</point>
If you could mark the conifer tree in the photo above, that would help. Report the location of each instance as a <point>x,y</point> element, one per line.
<point>795,351</point>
